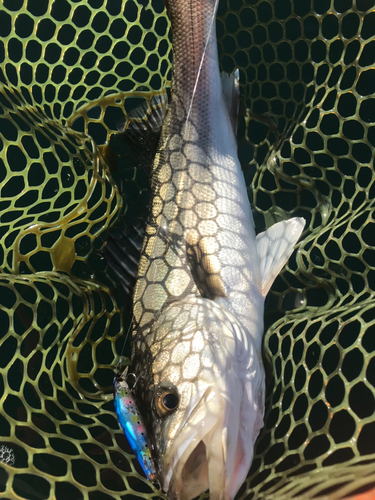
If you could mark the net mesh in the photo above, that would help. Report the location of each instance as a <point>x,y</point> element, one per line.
<point>70,71</point>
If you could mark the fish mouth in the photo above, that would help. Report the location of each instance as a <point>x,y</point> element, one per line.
<point>196,459</point>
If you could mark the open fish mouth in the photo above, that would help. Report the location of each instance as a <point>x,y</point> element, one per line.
<point>197,458</point>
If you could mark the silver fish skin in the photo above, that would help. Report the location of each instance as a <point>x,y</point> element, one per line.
<point>202,279</point>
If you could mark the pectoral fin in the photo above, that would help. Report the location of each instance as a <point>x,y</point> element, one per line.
<point>275,246</point>
<point>205,268</point>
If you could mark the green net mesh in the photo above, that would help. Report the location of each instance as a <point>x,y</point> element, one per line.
<point>70,70</point>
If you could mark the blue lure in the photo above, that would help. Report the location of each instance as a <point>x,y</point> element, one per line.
<point>132,425</point>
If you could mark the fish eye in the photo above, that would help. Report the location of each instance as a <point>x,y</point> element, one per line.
<point>170,401</point>
<point>166,401</point>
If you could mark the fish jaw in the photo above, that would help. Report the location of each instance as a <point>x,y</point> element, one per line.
<point>196,460</point>
<point>213,451</point>
<point>208,443</point>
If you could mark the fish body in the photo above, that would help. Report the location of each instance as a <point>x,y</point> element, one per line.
<point>202,279</point>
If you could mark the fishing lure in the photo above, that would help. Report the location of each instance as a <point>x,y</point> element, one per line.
<point>132,425</point>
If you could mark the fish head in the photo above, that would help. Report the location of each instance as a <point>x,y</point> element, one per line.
<point>204,407</point>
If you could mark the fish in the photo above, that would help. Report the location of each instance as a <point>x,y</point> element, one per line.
<point>203,275</point>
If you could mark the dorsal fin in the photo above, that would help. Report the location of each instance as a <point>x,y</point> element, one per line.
<point>142,130</point>
<point>230,86</point>
<point>122,251</point>
<point>275,246</point>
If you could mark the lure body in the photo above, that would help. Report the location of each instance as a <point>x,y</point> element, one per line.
<point>131,423</point>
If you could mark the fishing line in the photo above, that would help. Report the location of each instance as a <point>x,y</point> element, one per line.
<point>201,62</point>
<point>122,361</point>
<point>120,365</point>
